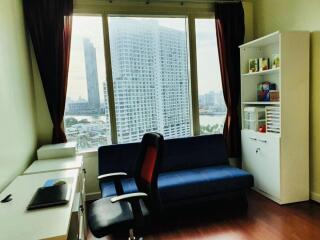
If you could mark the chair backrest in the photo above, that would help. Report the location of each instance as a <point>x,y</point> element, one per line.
<point>146,175</point>
<point>118,158</point>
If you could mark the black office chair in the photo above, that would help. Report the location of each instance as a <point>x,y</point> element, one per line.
<point>127,211</point>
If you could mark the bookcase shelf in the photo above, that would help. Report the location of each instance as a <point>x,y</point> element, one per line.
<point>261,73</point>
<point>279,157</point>
<point>261,103</point>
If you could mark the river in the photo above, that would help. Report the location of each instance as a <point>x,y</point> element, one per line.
<point>204,119</point>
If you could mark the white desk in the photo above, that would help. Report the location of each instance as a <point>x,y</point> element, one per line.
<point>58,164</point>
<point>49,223</point>
<point>50,165</point>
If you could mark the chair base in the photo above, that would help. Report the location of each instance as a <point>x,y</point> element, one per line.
<point>132,237</point>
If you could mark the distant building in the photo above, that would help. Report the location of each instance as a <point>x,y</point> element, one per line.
<point>80,108</point>
<point>91,75</point>
<point>150,78</point>
<point>106,105</point>
<point>212,103</point>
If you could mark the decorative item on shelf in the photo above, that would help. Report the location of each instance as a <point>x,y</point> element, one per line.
<point>263,64</point>
<point>262,128</point>
<point>263,91</point>
<point>253,65</point>
<point>275,61</point>
<point>274,95</point>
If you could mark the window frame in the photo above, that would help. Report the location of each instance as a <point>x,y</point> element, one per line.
<point>188,11</point>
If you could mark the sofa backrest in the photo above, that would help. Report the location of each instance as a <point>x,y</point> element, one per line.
<point>194,152</point>
<point>179,153</point>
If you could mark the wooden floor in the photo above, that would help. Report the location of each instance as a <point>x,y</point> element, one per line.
<point>264,220</point>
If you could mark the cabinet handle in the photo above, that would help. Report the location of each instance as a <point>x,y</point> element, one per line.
<point>255,139</point>
<point>258,150</point>
<point>84,170</point>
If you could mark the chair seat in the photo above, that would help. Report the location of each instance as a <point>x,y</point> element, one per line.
<point>202,182</point>
<point>105,217</point>
<point>108,189</point>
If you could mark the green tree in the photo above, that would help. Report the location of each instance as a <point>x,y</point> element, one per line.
<point>84,121</point>
<point>70,121</point>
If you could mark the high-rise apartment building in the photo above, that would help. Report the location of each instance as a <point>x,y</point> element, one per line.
<point>91,75</point>
<point>150,78</point>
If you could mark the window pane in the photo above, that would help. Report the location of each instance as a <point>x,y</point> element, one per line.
<point>212,108</point>
<point>150,76</point>
<point>86,115</point>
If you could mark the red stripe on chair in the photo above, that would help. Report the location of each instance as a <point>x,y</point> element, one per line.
<point>148,164</point>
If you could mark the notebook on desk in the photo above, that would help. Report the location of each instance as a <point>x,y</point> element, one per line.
<point>50,196</point>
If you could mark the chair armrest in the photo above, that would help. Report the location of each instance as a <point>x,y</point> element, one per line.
<point>128,197</point>
<point>112,175</point>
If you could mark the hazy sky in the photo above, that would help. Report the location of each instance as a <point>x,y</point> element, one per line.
<point>91,27</point>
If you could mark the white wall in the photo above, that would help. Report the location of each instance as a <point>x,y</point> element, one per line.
<point>17,113</point>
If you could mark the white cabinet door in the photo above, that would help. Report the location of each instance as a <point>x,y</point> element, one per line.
<point>249,155</point>
<point>268,156</point>
<point>261,158</point>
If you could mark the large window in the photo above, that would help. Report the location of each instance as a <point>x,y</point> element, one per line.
<point>151,78</point>
<point>86,117</point>
<point>212,108</point>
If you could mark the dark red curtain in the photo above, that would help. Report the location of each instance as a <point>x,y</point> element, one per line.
<point>229,19</point>
<point>49,23</point>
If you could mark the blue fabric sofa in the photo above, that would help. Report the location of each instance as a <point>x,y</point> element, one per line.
<point>193,169</point>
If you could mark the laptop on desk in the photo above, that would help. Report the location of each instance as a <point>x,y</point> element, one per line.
<point>47,196</point>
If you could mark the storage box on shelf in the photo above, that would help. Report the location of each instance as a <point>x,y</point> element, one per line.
<point>279,158</point>
<point>60,150</point>
<point>254,118</point>
<point>273,119</point>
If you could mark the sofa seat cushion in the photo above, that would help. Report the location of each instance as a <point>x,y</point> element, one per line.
<point>202,182</point>
<point>108,189</point>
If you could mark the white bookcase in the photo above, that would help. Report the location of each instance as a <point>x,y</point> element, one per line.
<point>278,158</point>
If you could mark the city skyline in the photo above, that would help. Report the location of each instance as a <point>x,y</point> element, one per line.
<point>151,85</point>
<point>93,26</point>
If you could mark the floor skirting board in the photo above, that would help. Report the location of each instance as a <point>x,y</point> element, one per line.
<point>93,196</point>
<point>315,197</point>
